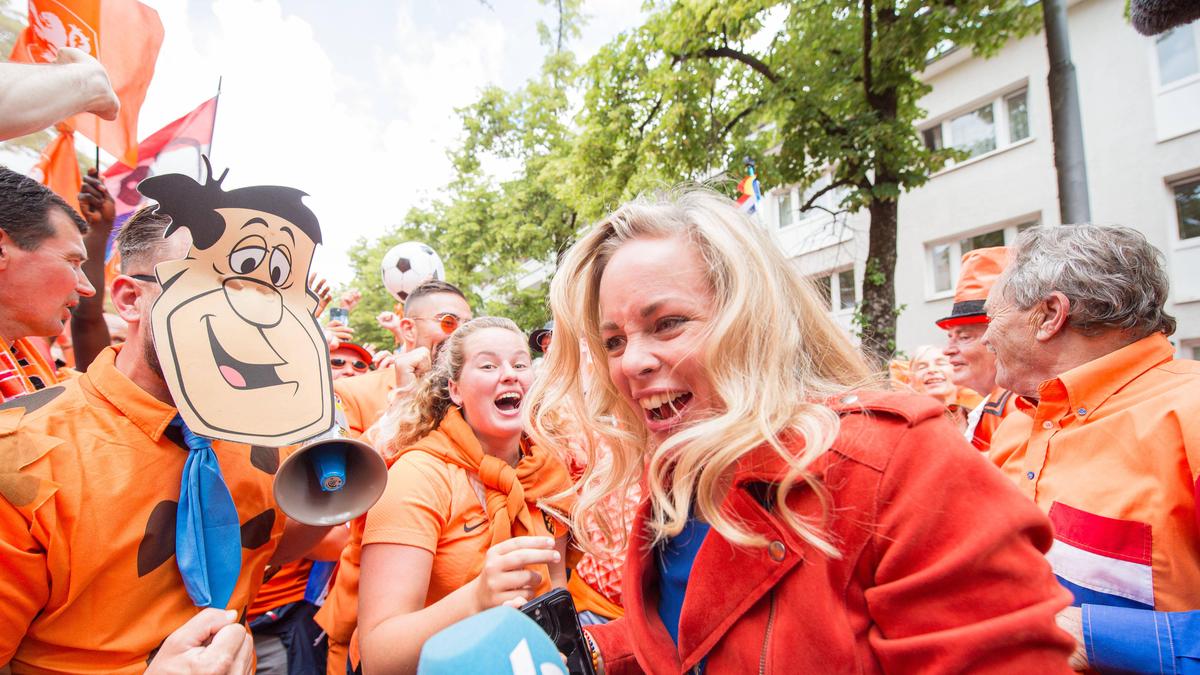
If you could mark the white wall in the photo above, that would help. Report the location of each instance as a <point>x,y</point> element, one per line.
<point>1137,136</point>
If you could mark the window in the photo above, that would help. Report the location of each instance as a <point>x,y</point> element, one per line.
<point>943,276</point>
<point>824,285</point>
<point>974,132</point>
<point>933,137</point>
<point>944,258</point>
<point>985,240</point>
<point>1018,117</point>
<point>984,129</point>
<point>837,286</point>
<point>845,285</point>
<point>1187,207</point>
<point>786,214</point>
<point>1176,55</point>
<point>1195,353</point>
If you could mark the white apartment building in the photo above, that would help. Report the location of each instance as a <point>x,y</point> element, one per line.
<point>1140,101</point>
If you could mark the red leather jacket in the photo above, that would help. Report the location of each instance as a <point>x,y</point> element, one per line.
<point>942,567</point>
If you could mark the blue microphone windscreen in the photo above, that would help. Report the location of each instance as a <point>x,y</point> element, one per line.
<point>500,640</point>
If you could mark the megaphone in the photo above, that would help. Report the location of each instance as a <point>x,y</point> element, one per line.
<point>331,478</point>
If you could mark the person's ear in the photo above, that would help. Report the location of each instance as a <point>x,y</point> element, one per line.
<point>1052,316</point>
<point>124,296</point>
<point>6,248</point>
<point>408,332</point>
<point>455,394</point>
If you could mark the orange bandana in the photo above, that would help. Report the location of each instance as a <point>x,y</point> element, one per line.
<point>510,490</point>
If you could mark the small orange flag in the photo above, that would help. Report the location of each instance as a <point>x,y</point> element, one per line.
<point>123,35</point>
<point>58,167</point>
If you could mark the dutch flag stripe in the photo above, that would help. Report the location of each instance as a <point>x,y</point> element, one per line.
<point>1100,557</point>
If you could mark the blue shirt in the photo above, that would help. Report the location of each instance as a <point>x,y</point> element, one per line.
<point>1125,640</point>
<point>675,558</point>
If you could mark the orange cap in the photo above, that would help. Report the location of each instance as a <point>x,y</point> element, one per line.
<point>976,276</point>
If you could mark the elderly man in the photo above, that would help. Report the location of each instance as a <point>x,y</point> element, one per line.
<point>974,367</point>
<point>1111,445</point>
<point>41,278</point>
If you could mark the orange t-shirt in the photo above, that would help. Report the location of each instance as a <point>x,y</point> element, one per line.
<point>365,397</point>
<point>89,480</point>
<point>287,584</point>
<point>1111,452</point>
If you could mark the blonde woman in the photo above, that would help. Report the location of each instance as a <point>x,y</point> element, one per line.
<point>464,524</point>
<point>794,520</point>
<point>930,373</point>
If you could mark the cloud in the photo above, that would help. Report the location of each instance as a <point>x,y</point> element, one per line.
<point>356,113</point>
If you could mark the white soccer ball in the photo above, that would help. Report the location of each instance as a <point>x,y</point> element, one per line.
<point>409,265</point>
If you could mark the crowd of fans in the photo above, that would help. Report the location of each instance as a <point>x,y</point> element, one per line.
<point>700,456</point>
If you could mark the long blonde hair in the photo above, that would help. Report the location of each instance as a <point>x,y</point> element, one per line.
<point>772,353</point>
<point>415,413</point>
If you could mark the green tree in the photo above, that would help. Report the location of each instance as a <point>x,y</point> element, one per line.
<point>491,232</point>
<point>804,86</point>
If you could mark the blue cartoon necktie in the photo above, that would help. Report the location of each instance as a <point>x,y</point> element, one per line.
<point>208,538</point>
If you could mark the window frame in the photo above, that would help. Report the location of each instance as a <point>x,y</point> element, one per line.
<point>1001,126</point>
<point>1156,68</point>
<point>1172,184</point>
<point>1011,228</point>
<point>831,279</point>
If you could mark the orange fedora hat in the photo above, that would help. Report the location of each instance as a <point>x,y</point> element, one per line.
<point>979,270</point>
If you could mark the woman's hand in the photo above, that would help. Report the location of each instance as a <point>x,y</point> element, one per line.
<point>505,579</point>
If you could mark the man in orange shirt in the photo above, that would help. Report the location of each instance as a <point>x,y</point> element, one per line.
<point>41,278</point>
<point>90,481</point>
<point>431,313</point>
<point>1111,445</point>
<point>975,366</point>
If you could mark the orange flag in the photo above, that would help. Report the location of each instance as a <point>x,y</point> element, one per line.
<point>58,167</point>
<point>123,35</point>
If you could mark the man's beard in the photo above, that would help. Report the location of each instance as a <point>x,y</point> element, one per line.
<point>150,355</point>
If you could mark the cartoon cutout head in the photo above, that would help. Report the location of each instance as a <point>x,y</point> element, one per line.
<point>234,330</point>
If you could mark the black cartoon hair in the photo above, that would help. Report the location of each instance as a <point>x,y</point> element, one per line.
<point>194,206</point>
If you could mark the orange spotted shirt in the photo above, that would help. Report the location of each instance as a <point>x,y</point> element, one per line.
<point>1111,451</point>
<point>89,484</point>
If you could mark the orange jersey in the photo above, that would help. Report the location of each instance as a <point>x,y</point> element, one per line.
<point>285,584</point>
<point>365,398</point>
<point>1112,452</point>
<point>23,370</point>
<point>987,416</point>
<point>89,480</point>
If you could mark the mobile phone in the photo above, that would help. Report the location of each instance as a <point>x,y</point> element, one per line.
<point>339,314</point>
<point>555,613</point>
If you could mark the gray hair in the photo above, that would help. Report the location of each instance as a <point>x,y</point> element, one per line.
<point>1113,277</point>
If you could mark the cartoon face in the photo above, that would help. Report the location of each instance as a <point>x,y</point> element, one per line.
<point>241,351</point>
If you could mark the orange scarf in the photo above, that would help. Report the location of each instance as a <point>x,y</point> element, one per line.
<point>509,490</point>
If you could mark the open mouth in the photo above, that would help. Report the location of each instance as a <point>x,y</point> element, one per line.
<point>509,401</point>
<point>665,406</point>
<point>239,374</point>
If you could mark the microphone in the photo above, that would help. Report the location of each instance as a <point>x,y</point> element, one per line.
<point>500,640</point>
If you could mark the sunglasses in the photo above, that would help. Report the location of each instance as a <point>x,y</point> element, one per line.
<point>339,362</point>
<point>448,322</point>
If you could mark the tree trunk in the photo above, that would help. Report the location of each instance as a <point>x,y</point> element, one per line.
<point>877,313</point>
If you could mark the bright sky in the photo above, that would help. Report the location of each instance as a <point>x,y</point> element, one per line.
<point>352,102</point>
